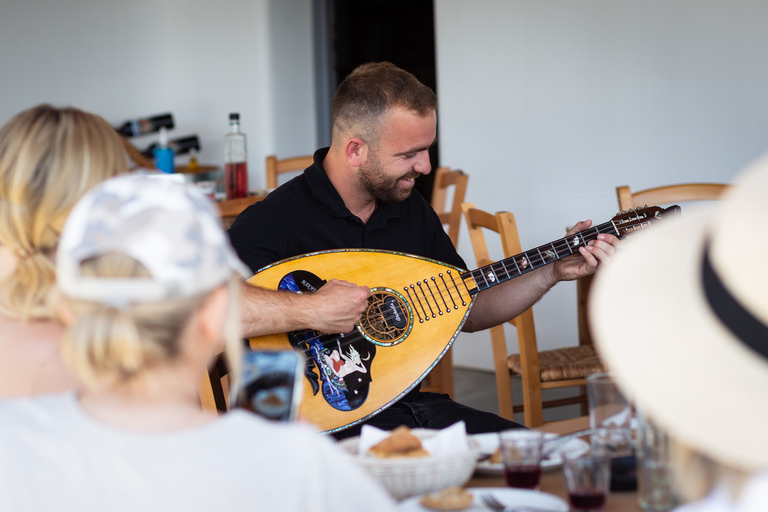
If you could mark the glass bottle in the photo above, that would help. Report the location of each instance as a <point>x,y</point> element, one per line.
<point>144,125</point>
<point>235,160</point>
<point>180,146</point>
<point>192,165</point>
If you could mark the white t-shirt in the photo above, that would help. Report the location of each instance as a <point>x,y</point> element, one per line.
<point>54,457</point>
<point>752,498</point>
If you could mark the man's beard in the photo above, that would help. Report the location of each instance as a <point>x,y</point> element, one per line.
<point>379,185</point>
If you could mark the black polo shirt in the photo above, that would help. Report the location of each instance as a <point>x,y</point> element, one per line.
<point>308,215</point>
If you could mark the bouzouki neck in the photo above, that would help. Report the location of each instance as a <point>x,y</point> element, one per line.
<point>622,226</point>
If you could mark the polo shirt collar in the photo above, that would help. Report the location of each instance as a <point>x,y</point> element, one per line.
<point>325,193</point>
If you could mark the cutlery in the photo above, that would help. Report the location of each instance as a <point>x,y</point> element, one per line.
<point>550,445</point>
<point>494,504</point>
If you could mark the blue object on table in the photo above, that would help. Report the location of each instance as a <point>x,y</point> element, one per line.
<point>624,473</point>
<point>164,153</point>
<point>164,159</point>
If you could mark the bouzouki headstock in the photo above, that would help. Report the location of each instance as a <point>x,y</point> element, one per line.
<point>630,221</point>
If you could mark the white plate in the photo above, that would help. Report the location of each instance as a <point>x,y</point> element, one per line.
<point>508,497</point>
<point>490,441</point>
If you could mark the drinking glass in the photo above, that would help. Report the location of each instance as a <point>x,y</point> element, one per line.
<point>587,477</point>
<point>655,489</point>
<point>609,416</point>
<point>521,454</point>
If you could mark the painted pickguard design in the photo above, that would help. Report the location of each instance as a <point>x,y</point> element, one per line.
<point>343,361</point>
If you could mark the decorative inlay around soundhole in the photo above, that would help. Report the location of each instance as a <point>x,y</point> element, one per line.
<point>388,319</point>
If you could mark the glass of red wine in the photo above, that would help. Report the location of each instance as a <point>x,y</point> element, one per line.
<point>521,454</point>
<point>588,478</point>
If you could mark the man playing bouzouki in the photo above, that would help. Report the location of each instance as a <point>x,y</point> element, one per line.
<point>357,194</point>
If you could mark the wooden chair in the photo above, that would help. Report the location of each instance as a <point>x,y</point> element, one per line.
<point>214,388</point>
<point>275,167</point>
<point>669,194</point>
<point>563,367</point>
<point>451,218</point>
<point>231,208</point>
<point>440,379</point>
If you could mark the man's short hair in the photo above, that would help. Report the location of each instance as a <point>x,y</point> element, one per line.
<point>369,92</point>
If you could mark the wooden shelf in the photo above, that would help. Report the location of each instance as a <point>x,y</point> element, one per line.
<point>198,169</point>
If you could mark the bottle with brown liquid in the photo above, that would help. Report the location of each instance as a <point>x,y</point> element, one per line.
<point>235,160</point>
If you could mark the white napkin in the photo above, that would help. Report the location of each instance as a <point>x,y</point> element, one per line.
<point>620,419</point>
<point>447,441</point>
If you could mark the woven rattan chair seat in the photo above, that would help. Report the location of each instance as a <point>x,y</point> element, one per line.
<point>563,363</point>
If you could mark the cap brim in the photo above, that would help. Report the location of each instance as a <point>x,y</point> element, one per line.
<point>237,265</point>
<point>670,354</point>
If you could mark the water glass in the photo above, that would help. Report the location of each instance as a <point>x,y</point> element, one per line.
<point>655,490</point>
<point>588,477</point>
<point>521,454</point>
<point>609,416</point>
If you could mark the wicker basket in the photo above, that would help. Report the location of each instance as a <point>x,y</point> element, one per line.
<point>406,477</point>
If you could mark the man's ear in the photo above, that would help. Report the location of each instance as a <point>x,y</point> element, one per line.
<point>356,151</point>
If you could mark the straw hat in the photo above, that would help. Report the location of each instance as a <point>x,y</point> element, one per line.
<point>680,316</point>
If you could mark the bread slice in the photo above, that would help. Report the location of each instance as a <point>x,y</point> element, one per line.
<point>400,443</point>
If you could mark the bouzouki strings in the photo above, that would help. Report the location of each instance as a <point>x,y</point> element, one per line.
<point>533,259</point>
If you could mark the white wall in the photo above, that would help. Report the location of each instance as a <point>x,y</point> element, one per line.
<point>292,78</point>
<point>550,104</point>
<point>196,58</point>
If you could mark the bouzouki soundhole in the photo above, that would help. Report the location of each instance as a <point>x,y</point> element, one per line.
<point>388,319</point>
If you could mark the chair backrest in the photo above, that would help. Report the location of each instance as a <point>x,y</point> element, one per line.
<point>504,224</point>
<point>231,208</point>
<point>275,167</point>
<point>445,178</point>
<point>668,194</point>
<point>213,389</point>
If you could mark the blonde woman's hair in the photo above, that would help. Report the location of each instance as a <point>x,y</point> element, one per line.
<point>49,158</point>
<point>108,345</point>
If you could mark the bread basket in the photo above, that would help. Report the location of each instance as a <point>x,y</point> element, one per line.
<point>406,477</point>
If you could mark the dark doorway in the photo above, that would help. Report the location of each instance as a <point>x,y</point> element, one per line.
<point>398,31</point>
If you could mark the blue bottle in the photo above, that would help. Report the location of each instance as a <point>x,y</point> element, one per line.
<point>163,153</point>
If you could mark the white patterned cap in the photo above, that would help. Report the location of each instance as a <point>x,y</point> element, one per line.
<point>169,227</point>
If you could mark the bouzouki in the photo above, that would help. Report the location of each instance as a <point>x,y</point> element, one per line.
<point>416,310</point>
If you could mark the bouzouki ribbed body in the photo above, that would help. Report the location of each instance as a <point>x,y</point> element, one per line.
<point>416,310</point>
<point>408,327</point>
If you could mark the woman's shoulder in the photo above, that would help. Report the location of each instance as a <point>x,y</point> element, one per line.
<point>238,419</point>
<point>38,413</point>
<point>288,440</point>
<point>751,497</point>
<point>30,359</point>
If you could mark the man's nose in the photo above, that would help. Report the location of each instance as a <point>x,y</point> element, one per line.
<point>423,165</point>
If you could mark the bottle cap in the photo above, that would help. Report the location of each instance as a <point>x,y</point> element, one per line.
<point>163,141</point>
<point>234,116</point>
